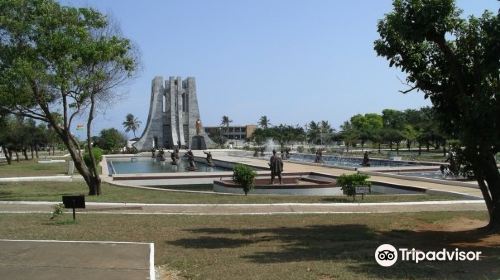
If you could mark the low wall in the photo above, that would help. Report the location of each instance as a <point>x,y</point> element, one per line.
<point>220,187</point>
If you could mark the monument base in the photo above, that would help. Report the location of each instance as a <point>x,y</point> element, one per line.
<point>198,143</point>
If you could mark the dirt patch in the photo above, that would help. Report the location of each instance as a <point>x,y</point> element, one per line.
<point>471,229</point>
<point>455,224</point>
<point>163,272</point>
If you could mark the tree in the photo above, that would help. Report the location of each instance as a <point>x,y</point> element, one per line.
<point>312,132</point>
<point>131,123</point>
<point>367,126</point>
<point>61,61</point>
<point>348,134</point>
<point>264,122</point>
<point>410,134</point>
<point>225,122</point>
<point>456,63</point>
<point>326,132</point>
<point>111,140</point>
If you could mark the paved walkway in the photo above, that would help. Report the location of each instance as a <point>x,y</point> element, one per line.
<point>247,209</point>
<point>76,260</point>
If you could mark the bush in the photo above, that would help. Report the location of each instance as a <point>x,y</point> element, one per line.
<point>300,149</point>
<point>244,176</point>
<point>97,152</point>
<point>348,183</point>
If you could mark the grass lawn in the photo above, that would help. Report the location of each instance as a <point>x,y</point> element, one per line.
<point>26,168</point>
<point>52,191</point>
<point>324,247</point>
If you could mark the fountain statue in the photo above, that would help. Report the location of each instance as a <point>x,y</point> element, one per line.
<point>209,159</point>
<point>190,157</point>
<point>366,160</point>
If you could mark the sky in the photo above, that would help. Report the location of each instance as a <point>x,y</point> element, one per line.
<point>293,61</point>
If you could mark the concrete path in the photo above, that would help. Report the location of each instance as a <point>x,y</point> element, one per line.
<point>247,209</point>
<point>76,260</point>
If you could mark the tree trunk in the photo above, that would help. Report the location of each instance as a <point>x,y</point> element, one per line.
<point>419,148</point>
<point>36,151</point>
<point>488,178</point>
<point>8,155</point>
<point>397,148</point>
<point>32,152</point>
<point>408,145</point>
<point>428,146</point>
<point>92,182</point>
<point>379,148</point>
<point>25,154</point>
<point>17,155</point>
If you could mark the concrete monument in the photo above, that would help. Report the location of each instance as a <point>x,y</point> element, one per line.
<point>174,117</point>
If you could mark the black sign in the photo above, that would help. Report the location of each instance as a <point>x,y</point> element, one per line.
<point>74,201</point>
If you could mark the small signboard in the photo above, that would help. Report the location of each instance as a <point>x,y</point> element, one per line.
<point>74,201</point>
<point>362,190</point>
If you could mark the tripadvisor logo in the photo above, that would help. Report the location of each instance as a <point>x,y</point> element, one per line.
<point>387,255</point>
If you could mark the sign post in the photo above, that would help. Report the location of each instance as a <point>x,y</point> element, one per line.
<point>362,190</point>
<point>74,201</point>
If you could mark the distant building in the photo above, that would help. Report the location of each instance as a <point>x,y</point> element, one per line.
<point>232,132</point>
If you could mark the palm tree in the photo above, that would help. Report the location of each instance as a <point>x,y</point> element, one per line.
<point>264,122</point>
<point>131,123</point>
<point>225,122</point>
<point>326,132</point>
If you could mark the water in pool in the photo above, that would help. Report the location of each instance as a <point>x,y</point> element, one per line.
<point>337,160</point>
<point>149,165</point>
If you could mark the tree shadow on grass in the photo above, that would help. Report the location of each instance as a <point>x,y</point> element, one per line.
<point>353,246</point>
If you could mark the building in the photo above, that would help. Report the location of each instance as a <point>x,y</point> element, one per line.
<point>174,117</point>
<point>232,132</point>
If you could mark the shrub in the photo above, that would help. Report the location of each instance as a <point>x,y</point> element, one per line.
<point>58,211</point>
<point>97,152</point>
<point>244,176</point>
<point>348,183</point>
<point>300,149</point>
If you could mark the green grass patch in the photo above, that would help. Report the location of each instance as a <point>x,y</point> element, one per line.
<point>27,168</point>
<point>326,246</point>
<point>52,191</point>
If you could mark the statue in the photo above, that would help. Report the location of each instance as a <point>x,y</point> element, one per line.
<point>161,155</point>
<point>276,165</point>
<point>209,158</point>
<point>190,157</point>
<point>198,127</point>
<point>319,156</point>
<point>366,160</point>
<point>173,158</point>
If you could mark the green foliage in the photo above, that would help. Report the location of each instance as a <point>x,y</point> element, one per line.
<point>96,152</point>
<point>456,63</point>
<point>58,211</point>
<point>131,123</point>
<point>348,183</point>
<point>58,62</point>
<point>300,149</point>
<point>244,176</point>
<point>111,140</point>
